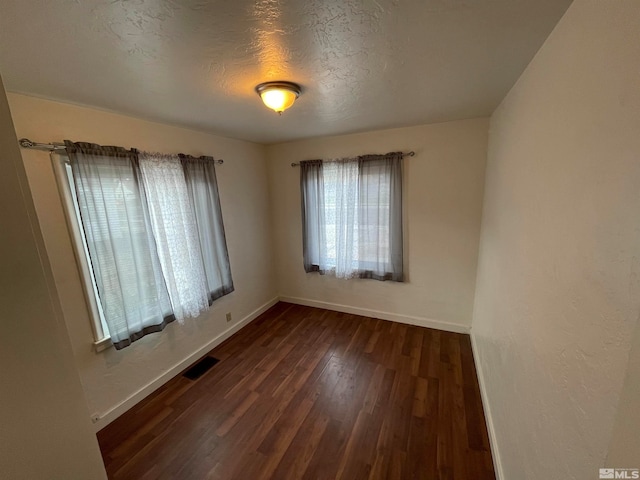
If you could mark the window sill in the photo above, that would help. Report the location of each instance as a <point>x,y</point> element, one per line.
<point>103,344</point>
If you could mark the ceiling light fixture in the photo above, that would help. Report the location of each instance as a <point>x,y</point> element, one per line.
<point>278,96</point>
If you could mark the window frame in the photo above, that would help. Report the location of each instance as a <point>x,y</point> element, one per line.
<point>64,178</point>
<point>376,258</point>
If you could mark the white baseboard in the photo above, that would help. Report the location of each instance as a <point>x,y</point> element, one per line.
<point>145,391</point>
<point>394,317</point>
<point>497,464</point>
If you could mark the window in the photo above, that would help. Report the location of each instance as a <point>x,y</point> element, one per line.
<point>101,330</point>
<point>149,237</point>
<point>352,217</point>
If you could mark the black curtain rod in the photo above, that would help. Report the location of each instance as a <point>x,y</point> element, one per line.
<point>56,146</point>
<point>404,154</point>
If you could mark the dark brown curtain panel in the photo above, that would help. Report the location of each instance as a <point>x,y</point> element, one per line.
<point>380,217</point>
<point>313,216</point>
<point>200,174</point>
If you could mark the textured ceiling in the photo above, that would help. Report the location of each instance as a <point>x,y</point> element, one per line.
<point>363,65</point>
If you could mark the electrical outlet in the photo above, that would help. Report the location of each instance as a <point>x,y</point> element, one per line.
<point>228,316</point>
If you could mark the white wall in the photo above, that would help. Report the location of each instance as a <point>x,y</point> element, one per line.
<point>113,377</point>
<point>44,423</point>
<point>558,293</point>
<point>443,202</point>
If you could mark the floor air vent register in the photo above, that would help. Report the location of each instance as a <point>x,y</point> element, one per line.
<point>200,368</point>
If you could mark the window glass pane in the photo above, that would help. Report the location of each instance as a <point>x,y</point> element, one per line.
<point>76,211</point>
<point>131,289</point>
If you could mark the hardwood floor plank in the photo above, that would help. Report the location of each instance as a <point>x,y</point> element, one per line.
<point>324,463</point>
<point>310,394</point>
<point>415,350</point>
<point>296,459</point>
<point>240,410</point>
<point>373,391</point>
<point>279,439</point>
<point>420,398</point>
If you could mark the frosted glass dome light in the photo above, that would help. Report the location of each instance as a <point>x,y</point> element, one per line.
<point>278,96</point>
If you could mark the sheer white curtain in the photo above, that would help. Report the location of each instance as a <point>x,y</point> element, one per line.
<point>176,233</point>
<point>341,217</point>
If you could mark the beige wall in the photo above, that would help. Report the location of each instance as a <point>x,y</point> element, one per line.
<point>624,448</point>
<point>114,380</point>
<point>443,202</point>
<point>558,292</point>
<point>44,423</point>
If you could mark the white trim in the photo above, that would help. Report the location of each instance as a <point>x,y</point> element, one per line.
<point>394,317</point>
<point>109,416</point>
<point>497,464</point>
<point>103,344</point>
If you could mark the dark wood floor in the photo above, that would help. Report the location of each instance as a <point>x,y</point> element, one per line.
<point>305,393</point>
